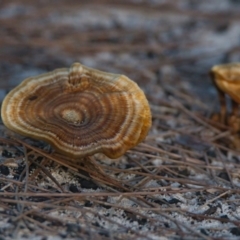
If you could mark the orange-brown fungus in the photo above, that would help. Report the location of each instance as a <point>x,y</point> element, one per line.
<point>80,111</point>
<point>226,78</point>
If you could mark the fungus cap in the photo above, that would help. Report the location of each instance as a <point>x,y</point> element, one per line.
<point>227,78</point>
<point>80,111</point>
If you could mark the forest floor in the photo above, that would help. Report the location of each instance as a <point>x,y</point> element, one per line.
<point>183,181</point>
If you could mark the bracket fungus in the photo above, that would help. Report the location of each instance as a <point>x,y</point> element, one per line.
<point>80,111</point>
<point>226,78</point>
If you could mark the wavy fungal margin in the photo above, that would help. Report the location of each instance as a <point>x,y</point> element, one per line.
<point>80,111</point>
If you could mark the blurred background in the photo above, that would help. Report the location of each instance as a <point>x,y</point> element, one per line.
<point>168,48</point>
<point>161,44</point>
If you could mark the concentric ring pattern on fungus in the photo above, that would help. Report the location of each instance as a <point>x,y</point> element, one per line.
<point>80,111</point>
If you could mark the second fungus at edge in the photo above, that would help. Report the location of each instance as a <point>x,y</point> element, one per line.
<point>226,78</point>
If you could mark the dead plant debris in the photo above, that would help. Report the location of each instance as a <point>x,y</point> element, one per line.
<point>183,181</point>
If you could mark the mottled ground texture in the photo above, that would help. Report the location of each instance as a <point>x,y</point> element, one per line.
<point>183,182</point>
